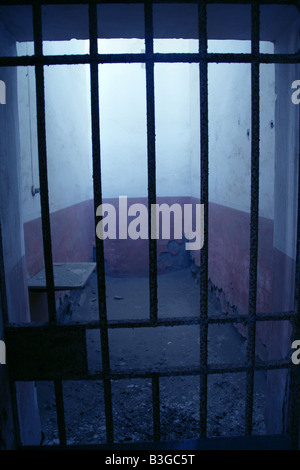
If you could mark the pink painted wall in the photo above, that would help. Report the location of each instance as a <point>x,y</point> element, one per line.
<point>72,236</point>
<point>73,239</point>
<point>229,257</point>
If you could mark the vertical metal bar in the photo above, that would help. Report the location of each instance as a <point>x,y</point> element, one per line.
<point>45,210</point>
<point>294,381</point>
<point>255,25</point>
<point>93,32</point>
<point>151,196</point>
<point>42,155</point>
<point>202,21</point>
<point>4,310</point>
<point>60,413</point>
<point>156,407</point>
<point>151,155</point>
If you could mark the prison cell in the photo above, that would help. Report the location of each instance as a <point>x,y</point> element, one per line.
<point>59,360</point>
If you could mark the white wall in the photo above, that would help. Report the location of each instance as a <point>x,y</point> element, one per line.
<point>177,115</point>
<point>67,127</point>
<point>173,120</point>
<point>123,123</point>
<point>230,131</point>
<point>123,128</point>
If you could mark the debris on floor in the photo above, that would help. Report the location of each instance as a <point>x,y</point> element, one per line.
<point>178,295</point>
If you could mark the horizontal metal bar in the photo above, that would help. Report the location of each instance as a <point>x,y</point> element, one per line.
<point>142,58</point>
<point>168,321</point>
<point>85,2</point>
<point>210,369</point>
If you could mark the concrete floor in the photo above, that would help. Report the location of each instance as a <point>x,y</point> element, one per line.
<point>178,295</point>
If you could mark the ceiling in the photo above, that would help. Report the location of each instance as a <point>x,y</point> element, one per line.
<point>231,21</point>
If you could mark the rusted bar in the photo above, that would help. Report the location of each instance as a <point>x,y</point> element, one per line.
<point>151,156</point>
<point>42,157</point>
<point>202,21</point>
<point>184,371</point>
<point>45,210</point>
<point>156,407</point>
<point>172,57</point>
<point>167,321</point>
<point>255,14</point>
<point>60,413</point>
<point>97,185</point>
